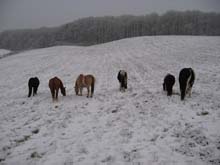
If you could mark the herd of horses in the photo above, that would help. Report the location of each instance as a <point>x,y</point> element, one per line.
<point>83,81</point>
<point>186,81</point>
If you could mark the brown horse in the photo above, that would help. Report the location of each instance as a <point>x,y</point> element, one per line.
<point>85,81</point>
<point>54,85</point>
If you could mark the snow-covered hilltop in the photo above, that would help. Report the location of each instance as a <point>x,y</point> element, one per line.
<point>141,126</point>
<point>4,52</point>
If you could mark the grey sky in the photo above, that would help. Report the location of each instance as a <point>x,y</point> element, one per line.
<point>16,14</point>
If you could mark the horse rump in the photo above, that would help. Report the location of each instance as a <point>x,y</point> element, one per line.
<point>122,78</point>
<point>186,81</point>
<point>33,84</point>
<point>85,81</point>
<point>55,84</point>
<point>168,83</point>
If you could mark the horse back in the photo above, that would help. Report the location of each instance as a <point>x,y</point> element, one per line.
<point>55,83</point>
<point>89,79</point>
<point>122,76</point>
<point>85,80</point>
<point>169,79</point>
<point>33,82</point>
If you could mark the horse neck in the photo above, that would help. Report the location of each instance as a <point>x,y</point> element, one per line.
<point>80,81</point>
<point>83,80</point>
<point>61,85</point>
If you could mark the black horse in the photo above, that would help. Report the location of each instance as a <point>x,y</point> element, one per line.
<point>186,80</point>
<point>33,84</point>
<point>168,83</point>
<point>122,78</point>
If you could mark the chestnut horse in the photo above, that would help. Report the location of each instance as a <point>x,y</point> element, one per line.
<point>54,85</point>
<point>85,81</point>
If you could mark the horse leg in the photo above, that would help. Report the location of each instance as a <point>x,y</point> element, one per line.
<point>80,90</point>
<point>57,91</point>
<point>190,91</point>
<point>122,87</point>
<point>30,91</point>
<point>164,87</point>
<point>88,91</point>
<point>34,88</point>
<point>91,94</point>
<point>52,93</point>
<point>35,91</point>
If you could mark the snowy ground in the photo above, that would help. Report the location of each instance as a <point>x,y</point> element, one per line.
<point>141,126</point>
<point>4,52</point>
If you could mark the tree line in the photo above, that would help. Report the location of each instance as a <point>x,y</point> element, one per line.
<point>95,30</point>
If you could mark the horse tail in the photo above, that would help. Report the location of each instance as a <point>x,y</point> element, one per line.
<point>93,85</point>
<point>183,93</point>
<point>126,80</point>
<point>183,86</point>
<point>192,79</point>
<point>184,78</point>
<point>30,82</point>
<point>35,90</point>
<point>30,91</point>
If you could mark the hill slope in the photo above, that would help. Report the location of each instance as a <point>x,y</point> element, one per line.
<point>140,126</point>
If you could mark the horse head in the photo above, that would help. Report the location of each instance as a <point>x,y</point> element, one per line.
<point>63,91</point>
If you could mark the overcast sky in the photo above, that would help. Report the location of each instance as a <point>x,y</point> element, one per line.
<point>16,14</point>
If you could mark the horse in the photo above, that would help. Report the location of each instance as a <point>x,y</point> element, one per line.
<point>169,81</point>
<point>33,83</point>
<point>186,81</point>
<point>122,78</point>
<point>54,85</point>
<point>85,81</point>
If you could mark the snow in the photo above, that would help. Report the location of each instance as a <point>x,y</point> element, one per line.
<point>140,126</point>
<point>4,52</point>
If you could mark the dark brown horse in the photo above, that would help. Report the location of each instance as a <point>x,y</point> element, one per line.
<point>33,84</point>
<point>122,78</point>
<point>54,85</point>
<point>85,81</point>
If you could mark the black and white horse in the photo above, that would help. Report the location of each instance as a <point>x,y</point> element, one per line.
<point>122,78</point>
<point>186,80</point>
<point>33,84</point>
<point>168,83</point>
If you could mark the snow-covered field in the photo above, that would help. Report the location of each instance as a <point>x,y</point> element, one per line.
<point>140,127</point>
<point>3,52</point>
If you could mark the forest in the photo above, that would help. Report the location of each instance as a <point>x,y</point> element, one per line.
<point>96,30</point>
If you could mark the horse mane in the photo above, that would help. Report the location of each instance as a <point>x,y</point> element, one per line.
<point>61,84</point>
